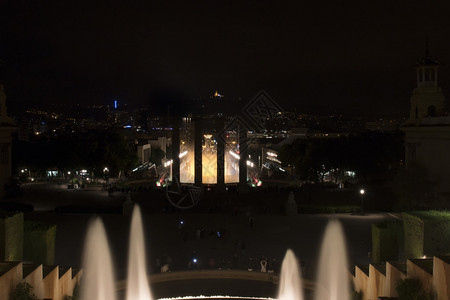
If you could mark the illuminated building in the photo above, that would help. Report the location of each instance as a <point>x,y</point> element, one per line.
<point>427,131</point>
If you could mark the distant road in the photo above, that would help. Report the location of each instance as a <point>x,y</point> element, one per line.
<point>46,196</point>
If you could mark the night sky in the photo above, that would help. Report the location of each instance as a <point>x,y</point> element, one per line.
<point>348,57</point>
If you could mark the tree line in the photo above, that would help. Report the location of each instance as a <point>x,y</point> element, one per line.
<point>371,155</point>
<point>93,150</point>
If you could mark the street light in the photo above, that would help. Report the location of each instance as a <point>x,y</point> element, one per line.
<point>362,192</point>
<point>106,174</point>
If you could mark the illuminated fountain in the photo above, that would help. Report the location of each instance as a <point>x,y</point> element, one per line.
<point>333,279</point>
<point>98,275</point>
<point>137,283</point>
<point>290,286</point>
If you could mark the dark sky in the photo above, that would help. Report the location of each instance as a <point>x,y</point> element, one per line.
<point>351,57</point>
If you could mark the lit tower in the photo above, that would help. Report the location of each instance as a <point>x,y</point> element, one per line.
<point>427,99</point>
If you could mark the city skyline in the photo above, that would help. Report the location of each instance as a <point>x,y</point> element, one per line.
<point>351,58</point>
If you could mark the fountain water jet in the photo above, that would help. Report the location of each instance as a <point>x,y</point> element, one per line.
<point>333,277</point>
<point>290,286</point>
<point>137,282</point>
<point>98,278</point>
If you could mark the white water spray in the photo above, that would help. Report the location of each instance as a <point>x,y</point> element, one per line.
<point>137,282</point>
<point>333,276</point>
<point>98,274</point>
<point>290,286</point>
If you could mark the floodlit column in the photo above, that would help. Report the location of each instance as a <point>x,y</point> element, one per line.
<point>220,154</point>
<point>243,153</point>
<point>198,150</point>
<point>176,149</point>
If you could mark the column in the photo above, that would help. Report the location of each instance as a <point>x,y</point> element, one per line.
<point>243,153</point>
<point>176,149</point>
<point>198,137</point>
<point>220,137</point>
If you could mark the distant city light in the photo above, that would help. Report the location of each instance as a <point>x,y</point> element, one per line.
<point>182,154</point>
<point>115,103</point>
<point>362,191</point>
<point>234,154</point>
<point>217,95</point>
<point>274,159</point>
<point>350,173</point>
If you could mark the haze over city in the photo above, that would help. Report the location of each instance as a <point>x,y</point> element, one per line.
<point>346,57</point>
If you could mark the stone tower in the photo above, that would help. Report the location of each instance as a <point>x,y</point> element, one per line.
<point>427,99</point>
<point>6,128</point>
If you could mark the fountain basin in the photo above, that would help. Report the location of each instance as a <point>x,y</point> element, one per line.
<point>243,284</point>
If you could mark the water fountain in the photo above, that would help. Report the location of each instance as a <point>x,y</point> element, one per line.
<point>333,279</point>
<point>290,286</point>
<point>137,283</point>
<point>98,279</point>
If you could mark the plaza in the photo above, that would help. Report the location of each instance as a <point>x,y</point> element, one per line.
<point>238,241</point>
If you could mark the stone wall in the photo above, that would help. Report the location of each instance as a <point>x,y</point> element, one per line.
<point>393,275</point>
<point>361,280</point>
<point>441,277</point>
<point>34,278</point>
<point>381,281</point>
<point>46,280</point>
<point>9,278</point>
<point>376,282</point>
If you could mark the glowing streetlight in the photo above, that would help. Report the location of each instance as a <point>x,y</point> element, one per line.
<point>362,192</point>
<point>106,174</point>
